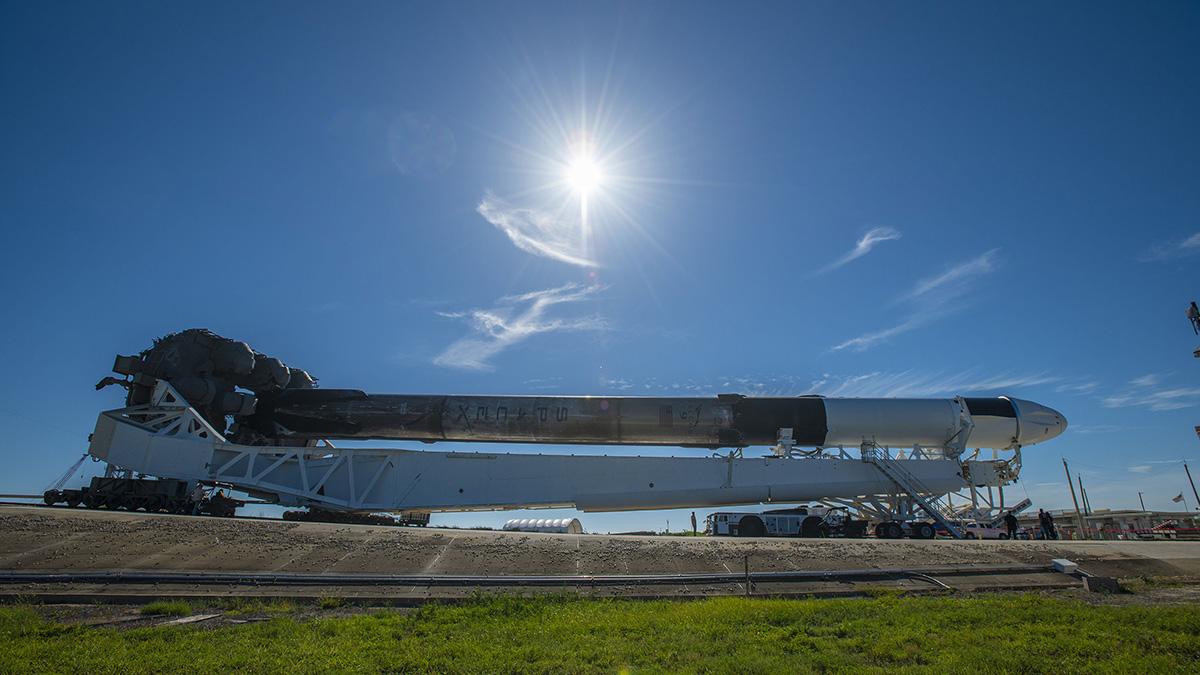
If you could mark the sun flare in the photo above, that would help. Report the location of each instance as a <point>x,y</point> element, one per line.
<point>583,174</point>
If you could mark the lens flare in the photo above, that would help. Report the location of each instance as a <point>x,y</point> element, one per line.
<point>584,175</point>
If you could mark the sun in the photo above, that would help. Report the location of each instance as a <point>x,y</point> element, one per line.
<point>584,174</point>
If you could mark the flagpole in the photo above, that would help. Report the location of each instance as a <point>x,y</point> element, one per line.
<point>1193,483</point>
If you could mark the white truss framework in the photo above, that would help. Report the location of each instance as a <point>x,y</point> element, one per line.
<point>167,438</point>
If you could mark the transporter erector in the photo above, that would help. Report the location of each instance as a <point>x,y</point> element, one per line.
<point>205,408</point>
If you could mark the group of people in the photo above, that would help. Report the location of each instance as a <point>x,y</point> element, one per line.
<point>1045,525</point>
<point>1046,522</point>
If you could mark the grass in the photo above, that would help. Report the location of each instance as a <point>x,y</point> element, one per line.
<point>166,608</point>
<point>237,607</point>
<point>330,603</point>
<point>504,634</point>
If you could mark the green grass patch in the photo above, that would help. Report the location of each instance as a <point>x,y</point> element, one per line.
<point>166,608</point>
<point>330,603</point>
<point>1021,633</point>
<point>238,607</point>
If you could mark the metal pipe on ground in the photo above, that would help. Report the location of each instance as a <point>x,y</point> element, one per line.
<point>296,579</point>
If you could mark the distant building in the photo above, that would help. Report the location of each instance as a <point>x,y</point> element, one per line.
<point>1121,524</point>
<point>560,525</point>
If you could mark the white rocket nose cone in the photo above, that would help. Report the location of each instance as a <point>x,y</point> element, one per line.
<point>1037,423</point>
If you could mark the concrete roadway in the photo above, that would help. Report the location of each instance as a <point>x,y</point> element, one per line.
<point>34,538</point>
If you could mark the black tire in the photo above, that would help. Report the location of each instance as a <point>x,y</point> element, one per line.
<point>857,529</point>
<point>892,531</point>
<point>752,526</point>
<point>91,501</point>
<point>51,497</point>
<point>1003,535</point>
<point>811,527</point>
<point>72,502</point>
<point>969,535</point>
<point>923,531</point>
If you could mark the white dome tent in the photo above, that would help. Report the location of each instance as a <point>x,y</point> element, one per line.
<point>559,525</point>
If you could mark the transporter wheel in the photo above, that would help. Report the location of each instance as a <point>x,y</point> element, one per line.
<point>1003,535</point>
<point>923,531</point>
<point>72,502</point>
<point>970,535</point>
<point>811,527</point>
<point>892,530</point>
<point>752,526</point>
<point>91,501</point>
<point>51,497</point>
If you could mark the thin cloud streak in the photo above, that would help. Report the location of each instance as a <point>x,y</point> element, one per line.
<point>863,247</point>
<point>514,319</point>
<point>1079,388</point>
<point>927,305</point>
<point>1158,400</point>
<point>536,231</point>
<point>1146,380</point>
<point>1170,250</point>
<point>877,384</point>
<point>972,268</point>
<point>868,340</point>
<point>913,384</point>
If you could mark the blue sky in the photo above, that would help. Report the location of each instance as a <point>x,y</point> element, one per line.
<point>842,198</point>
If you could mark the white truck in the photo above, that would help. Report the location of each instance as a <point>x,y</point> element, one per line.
<point>802,521</point>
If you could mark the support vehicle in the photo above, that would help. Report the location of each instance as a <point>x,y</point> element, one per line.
<point>802,521</point>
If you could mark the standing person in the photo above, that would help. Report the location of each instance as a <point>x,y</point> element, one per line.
<point>197,497</point>
<point>1051,531</point>
<point>693,522</point>
<point>1042,527</point>
<point>1010,521</point>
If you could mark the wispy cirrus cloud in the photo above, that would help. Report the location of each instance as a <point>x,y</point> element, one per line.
<point>1156,465</point>
<point>1148,380</point>
<point>515,318</point>
<point>863,246</point>
<point>956,275</point>
<point>1159,400</point>
<point>1098,428</point>
<point>1171,249</point>
<point>1144,393</point>
<point>867,340</point>
<point>537,231</point>
<point>1085,387</point>
<point>876,384</point>
<point>916,384</point>
<point>926,305</point>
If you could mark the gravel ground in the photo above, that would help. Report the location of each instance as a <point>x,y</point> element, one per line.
<point>38,538</point>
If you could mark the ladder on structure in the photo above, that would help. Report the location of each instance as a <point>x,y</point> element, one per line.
<point>912,487</point>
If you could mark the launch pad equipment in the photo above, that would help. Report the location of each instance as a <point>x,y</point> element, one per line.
<point>912,451</point>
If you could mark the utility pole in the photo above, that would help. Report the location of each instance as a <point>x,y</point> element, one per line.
<point>1193,483</point>
<point>1078,515</point>
<point>1087,511</point>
